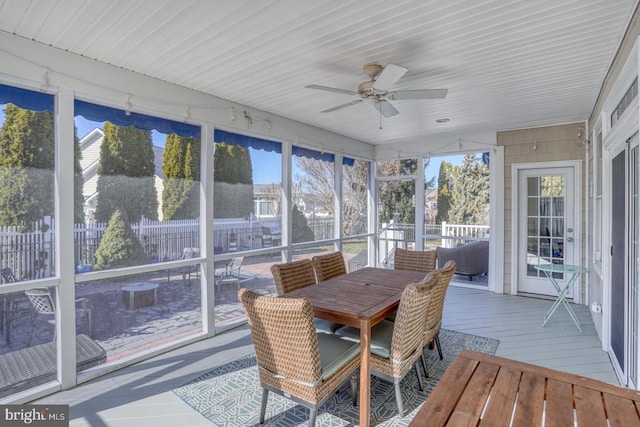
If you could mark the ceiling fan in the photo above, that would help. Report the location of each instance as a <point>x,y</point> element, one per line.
<point>377,89</point>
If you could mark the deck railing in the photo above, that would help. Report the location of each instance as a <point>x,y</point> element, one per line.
<point>393,235</point>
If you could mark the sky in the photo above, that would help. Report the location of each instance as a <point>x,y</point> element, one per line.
<point>433,169</point>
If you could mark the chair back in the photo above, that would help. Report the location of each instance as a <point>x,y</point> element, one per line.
<point>423,261</point>
<point>434,312</point>
<point>189,253</point>
<point>235,264</point>
<point>329,266</point>
<point>267,237</point>
<point>293,275</point>
<point>41,300</point>
<point>408,328</point>
<point>284,336</point>
<point>7,275</point>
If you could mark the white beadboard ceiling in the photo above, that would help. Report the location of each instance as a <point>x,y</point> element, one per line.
<point>507,64</point>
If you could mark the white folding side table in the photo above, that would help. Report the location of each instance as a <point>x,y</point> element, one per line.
<point>575,271</point>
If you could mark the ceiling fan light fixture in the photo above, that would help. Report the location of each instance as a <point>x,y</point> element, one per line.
<point>378,90</point>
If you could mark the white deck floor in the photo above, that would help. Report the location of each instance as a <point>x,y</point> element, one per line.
<point>139,396</point>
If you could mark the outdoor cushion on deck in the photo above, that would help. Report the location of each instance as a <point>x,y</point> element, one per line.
<point>32,366</point>
<point>472,259</point>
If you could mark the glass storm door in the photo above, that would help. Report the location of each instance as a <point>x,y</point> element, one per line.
<point>546,226</point>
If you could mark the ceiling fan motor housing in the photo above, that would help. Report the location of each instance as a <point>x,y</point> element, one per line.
<point>366,88</point>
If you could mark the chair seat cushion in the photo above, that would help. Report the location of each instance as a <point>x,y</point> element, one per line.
<point>326,326</point>
<point>381,334</point>
<point>335,353</point>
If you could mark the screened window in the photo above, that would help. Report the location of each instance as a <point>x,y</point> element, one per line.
<point>247,192</point>
<point>141,205</point>
<point>313,196</point>
<point>27,149</point>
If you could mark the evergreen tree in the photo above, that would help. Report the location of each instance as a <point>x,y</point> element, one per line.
<point>126,175</point>
<point>233,182</point>
<point>470,193</point>
<point>445,187</point>
<point>301,230</point>
<point>119,246</point>
<point>397,197</point>
<point>78,181</point>
<point>27,156</point>
<point>181,171</point>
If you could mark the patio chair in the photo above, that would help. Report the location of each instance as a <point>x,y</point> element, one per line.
<point>44,305</point>
<point>433,321</point>
<point>13,306</point>
<point>329,266</point>
<point>187,253</point>
<point>295,275</point>
<point>231,273</point>
<point>424,261</point>
<point>267,238</point>
<point>293,360</point>
<point>397,346</point>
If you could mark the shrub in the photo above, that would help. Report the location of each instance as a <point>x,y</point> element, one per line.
<point>119,246</point>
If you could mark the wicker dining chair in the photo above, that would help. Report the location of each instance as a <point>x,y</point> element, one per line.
<point>423,261</point>
<point>433,321</point>
<point>295,275</point>
<point>293,360</point>
<point>329,266</point>
<point>397,346</point>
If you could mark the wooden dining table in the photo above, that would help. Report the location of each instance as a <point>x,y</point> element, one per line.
<point>479,389</point>
<point>360,299</point>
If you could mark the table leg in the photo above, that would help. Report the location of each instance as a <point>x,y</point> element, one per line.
<point>562,293</point>
<point>365,372</point>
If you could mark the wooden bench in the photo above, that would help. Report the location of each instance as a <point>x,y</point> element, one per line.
<point>483,390</point>
<point>32,366</point>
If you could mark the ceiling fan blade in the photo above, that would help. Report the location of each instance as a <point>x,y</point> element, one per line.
<point>419,94</point>
<point>385,108</point>
<point>389,76</point>
<point>331,89</point>
<point>348,104</point>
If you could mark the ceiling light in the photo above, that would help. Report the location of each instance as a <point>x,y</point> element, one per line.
<point>443,120</point>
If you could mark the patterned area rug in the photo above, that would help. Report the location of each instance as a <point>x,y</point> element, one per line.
<point>229,395</point>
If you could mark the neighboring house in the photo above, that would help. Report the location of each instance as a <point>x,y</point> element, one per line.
<point>90,148</point>
<point>431,205</point>
<point>267,200</point>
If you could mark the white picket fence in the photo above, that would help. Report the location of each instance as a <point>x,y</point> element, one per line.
<point>31,255</point>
